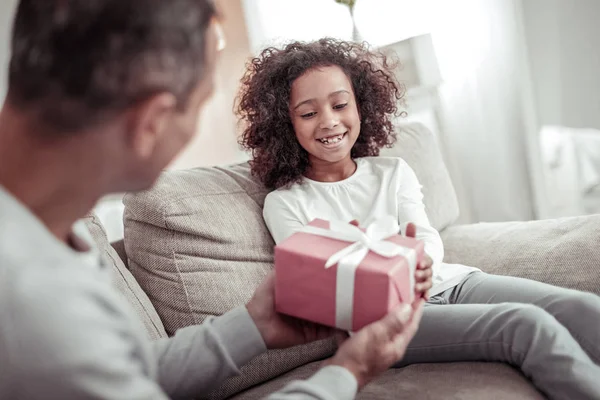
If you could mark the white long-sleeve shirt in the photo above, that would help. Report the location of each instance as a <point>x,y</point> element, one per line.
<point>380,186</point>
<point>65,333</point>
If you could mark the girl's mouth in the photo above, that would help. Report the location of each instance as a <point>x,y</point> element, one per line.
<point>332,140</point>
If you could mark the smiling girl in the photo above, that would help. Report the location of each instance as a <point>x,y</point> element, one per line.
<point>316,116</point>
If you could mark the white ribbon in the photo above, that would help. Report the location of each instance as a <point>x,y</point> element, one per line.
<point>349,258</point>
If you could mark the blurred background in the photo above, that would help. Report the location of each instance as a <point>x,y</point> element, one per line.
<point>511,88</point>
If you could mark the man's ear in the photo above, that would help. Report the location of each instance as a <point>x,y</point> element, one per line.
<point>149,122</point>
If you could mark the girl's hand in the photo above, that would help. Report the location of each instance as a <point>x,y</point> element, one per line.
<point>424,271</point>
<point>423,278</point>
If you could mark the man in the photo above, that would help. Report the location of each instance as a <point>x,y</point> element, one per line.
<point>102,95</point>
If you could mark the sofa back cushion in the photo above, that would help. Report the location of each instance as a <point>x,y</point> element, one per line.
<point>197,244</point>
<point>562,252</point>
<point>419,148</point>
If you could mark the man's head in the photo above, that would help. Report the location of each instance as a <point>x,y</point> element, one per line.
<point>136,71</point>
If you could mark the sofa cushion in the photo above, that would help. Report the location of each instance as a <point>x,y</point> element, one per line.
<point>125,282</point>
<point>450,381</point>
<point>197,244</point>
<point>562,252</point>
<point>418,147</point>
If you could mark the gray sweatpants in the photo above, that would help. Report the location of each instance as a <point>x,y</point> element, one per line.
<point>552,334</point>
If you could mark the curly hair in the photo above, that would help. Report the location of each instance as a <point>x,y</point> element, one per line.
<point>263,104</point>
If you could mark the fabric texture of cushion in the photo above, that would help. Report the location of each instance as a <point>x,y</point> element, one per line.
<point>125,282</point>
<point>449,381</point>
<point>418,147</point>
<point>197,244</point>
<point>562,252</point>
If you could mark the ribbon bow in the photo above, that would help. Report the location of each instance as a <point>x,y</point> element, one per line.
<point>349,258</point>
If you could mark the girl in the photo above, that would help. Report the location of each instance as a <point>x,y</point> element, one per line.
<point>317,115</point>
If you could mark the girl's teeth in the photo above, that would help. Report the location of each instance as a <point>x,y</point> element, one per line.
<point>332,140</point>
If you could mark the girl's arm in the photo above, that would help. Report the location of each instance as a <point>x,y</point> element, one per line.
<point>412,209</point>
<point>280,217</point>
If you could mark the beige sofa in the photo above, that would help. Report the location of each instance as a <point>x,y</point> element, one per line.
<point>196,245</point>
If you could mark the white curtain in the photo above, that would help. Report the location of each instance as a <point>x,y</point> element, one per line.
<point>484,112</point>
<point>274,22</point>
<point>484,121</point>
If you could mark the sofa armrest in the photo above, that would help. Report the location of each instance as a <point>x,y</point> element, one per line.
<point>563,252</point>
<point>119,247</point>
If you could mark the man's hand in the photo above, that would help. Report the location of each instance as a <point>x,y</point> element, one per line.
<point>424,271</point>
<point>277,330</point>
<point>378,346</point>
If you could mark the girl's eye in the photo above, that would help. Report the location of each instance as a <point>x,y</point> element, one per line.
<point>308,115</point>
<point>340,106</point>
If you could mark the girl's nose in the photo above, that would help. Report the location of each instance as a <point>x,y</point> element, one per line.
<point>328,120</point>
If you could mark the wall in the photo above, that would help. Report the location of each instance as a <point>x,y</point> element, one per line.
<point>216,143</point>
<point>563,39</point>
<point>6,13</point>
<point>276,22</point>
<point>479,48</point>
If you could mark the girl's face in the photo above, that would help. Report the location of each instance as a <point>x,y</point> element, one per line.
<point>324,114</point>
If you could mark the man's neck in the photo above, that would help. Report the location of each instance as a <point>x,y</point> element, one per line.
<point>48,176</point>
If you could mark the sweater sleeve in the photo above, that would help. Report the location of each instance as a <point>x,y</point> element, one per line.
<point>200,357</point>
<point>71,335</point>
<point>329,383</point>
<point>66,337</point>
<point>280,218</point>
<point>412,209</point>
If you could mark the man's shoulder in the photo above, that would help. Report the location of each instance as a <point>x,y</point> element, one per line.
<point>29,251</point>
<point>32,259</point>
<point>53,275</point>
<point>54,310</point>
<point>36,292</point>
<point>44,286</point>
<point>58,321</point>
<point>23,237</point>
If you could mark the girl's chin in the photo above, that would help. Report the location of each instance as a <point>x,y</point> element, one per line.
<point>330,158</point>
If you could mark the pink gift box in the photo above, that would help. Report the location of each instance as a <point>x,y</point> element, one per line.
<point>306,289</point>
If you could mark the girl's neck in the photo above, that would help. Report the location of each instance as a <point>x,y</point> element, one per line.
<point>323,171</point>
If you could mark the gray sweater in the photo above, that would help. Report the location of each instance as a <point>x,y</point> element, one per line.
<point>66,333</point>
